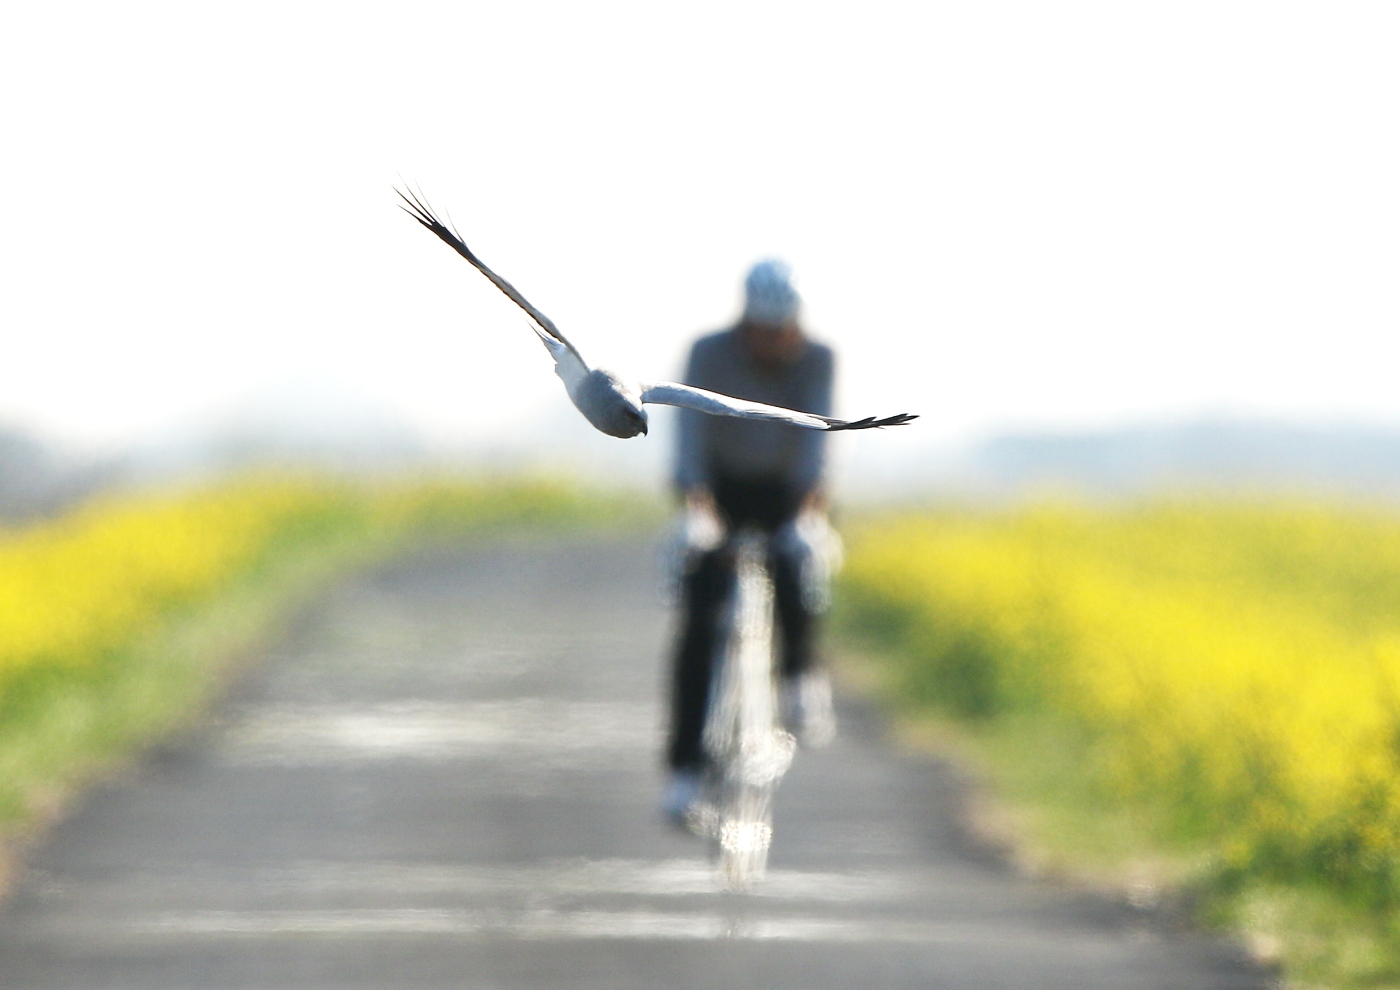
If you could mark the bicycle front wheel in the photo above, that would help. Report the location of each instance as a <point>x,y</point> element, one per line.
<point>749,751</point>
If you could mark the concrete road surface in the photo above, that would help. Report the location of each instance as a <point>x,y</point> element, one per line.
<point>446,776</point>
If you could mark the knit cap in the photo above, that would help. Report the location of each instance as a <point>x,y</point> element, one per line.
<point>769,296</point>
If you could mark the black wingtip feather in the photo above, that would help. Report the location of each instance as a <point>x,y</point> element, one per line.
<point>871,423</point>
<point>416,205</point>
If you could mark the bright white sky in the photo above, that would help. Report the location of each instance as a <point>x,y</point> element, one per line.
<point>1004,215</point>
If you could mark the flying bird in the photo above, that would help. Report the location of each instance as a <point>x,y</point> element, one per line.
<point>615,404</point>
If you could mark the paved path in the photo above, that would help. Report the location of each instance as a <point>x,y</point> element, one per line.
<point>445,777</point>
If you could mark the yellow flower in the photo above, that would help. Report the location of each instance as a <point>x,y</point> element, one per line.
<point>1240,659</point>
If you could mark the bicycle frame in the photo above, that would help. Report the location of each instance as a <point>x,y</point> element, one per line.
<point>749,750</point>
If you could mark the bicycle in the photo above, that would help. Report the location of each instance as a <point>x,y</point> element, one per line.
<point>746,745</point>
<point>749,750</point>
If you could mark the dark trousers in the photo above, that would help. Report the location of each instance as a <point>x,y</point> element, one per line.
<point>706,591</point>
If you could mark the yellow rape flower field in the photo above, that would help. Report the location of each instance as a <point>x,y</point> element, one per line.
<point>119,619</point>
<point>1223,677</point>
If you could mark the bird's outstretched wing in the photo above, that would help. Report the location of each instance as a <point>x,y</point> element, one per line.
<point>690,397</point>
<point>415,206</point>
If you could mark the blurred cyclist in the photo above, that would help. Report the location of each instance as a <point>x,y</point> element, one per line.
<point>735,472</point>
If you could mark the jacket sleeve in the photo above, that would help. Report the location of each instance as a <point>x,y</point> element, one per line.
<point>692,462</point>
<point>811,455</point>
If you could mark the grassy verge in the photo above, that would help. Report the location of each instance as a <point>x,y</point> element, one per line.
<point>1035,802</point>
<point>1190,704</point>
<point>155,647</point>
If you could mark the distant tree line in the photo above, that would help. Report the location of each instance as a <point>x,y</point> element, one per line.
<point>36,480</point>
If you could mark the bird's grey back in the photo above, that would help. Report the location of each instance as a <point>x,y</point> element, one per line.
<point>606,402</point>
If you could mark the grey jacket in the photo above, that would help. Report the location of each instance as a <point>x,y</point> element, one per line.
<point>753,449</point>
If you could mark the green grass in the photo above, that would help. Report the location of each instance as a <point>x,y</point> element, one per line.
<point>1035,794</point>
<point>1037,798</point>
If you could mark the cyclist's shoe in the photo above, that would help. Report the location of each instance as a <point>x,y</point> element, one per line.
<point>681,797</point>
<point>806,709</point>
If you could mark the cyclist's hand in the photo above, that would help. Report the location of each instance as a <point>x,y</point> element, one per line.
<point>703,527</point>
<point>815,502</point>
<point>701,499</point>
